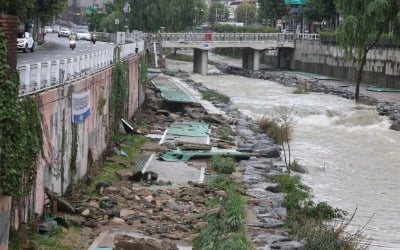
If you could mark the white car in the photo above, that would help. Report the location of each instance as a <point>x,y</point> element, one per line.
<point>48,29</point>
<point>83,35</point>
<point>25,42</point>
<point>64,32</point>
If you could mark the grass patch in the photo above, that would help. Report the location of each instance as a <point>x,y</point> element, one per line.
<point>212,95</point>
<point>366,101</point>
<point>301,89</point>
<point>130,145</point>
<point>223,165</point>
<point>50,241</point>
<point>226,134</point>
<point>297,167</point>
<point>225,229</point>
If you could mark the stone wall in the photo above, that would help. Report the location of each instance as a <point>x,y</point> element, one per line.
<point>382,67</point>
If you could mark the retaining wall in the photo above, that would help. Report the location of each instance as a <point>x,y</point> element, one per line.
<point>382,67</point>
<point>54,170</point>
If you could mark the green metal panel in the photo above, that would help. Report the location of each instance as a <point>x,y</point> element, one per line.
<point>196,129</point>
<point>179,155</point>
<point>173,93</point>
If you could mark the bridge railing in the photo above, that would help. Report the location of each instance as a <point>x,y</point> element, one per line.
<point>235,37</point>
<point>226,37</point>
<point>40,76</point>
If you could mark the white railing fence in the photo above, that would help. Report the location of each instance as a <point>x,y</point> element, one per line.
<point>40,76</point>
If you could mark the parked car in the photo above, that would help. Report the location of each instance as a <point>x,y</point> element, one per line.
<point>48,29</point>
<point>64,32</point>
<point>25,42</point>
<point>56,28</point>
<point>83,35</point>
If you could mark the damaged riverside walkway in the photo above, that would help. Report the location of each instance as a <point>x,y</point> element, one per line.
<point>187,174</point>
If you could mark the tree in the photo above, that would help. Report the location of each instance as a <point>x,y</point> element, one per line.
<point>150,15</point>
<point>27,10</point>
<point>365,21</point>
<point>246,13</point>
<point>218,12</point>
<point>319,10</point>
<point>272,10</point>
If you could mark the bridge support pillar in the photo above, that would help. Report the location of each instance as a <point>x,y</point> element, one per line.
<point>251,59</point>
<point>200,61</point>
<point>285,58</point>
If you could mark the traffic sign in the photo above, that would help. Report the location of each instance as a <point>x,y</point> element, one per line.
<point>116,21</point>
<point>295,1</point>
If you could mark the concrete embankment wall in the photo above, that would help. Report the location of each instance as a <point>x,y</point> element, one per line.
<point>382,67</point>
<point>55,169</point>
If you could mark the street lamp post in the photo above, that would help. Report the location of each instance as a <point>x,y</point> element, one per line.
<point>127,11</point>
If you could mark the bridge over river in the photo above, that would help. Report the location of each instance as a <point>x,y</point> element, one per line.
<point>252,44</point>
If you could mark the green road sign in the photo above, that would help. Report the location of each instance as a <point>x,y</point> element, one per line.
<point>295,1</point>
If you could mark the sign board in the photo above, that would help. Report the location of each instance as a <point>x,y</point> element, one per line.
<point>80,106</point>
<point>116,21</point>
<point>295,1</point>
<point>206,46</point>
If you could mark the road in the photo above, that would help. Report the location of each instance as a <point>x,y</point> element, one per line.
<point>58,48</point>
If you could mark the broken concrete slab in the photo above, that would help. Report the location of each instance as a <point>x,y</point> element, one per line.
<point>176,172</point>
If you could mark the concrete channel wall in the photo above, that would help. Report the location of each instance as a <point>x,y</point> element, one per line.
<point>382,67</point>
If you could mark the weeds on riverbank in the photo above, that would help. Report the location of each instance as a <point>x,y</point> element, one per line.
<point>297,167</point>
<point>280,128</point>
<point>307,219</point>
<point>223,165</point>
<point>129,144</point>
<point>301,89</point>
<point>212,95</point>
<point>225,228</point>
<point>226,134</point>
<point>54,239</point>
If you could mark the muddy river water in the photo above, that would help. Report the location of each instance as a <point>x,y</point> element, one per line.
<point>352,158</point>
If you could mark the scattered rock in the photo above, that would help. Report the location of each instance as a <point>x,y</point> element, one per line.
<point>126,212</point>
<point>86,212</point>
<point>124,174</point>
<point>117,221</point>
<point>91,223</point>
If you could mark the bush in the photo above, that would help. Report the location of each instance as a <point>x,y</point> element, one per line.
<point>322,236</point>
<point>223,165</point>
<point>277,133</point>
